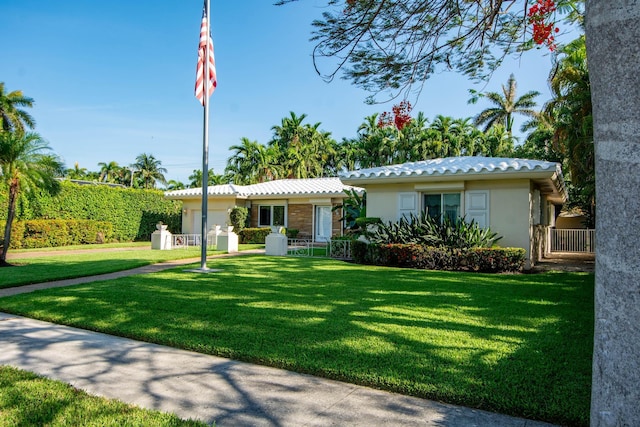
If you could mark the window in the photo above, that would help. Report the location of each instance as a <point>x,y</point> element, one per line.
<point>437,206</point>
<point>271,215</point>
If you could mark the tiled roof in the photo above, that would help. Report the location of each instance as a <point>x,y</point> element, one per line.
<point>282,187</point>
<point>454,166</point>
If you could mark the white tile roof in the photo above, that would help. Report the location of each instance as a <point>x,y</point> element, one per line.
<point>454,166</point>
<point>283,187</point>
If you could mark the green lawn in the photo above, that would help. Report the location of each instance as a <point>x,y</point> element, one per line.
<point>517,344</point>
<point>80,264</point>
<point>27,399</point>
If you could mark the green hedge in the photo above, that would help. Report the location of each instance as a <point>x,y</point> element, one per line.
<point>133,213</point>
<point>254,235</point>
<point>492,260</point>
<point>52,233</point>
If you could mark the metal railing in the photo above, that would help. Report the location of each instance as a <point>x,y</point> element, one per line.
<point>572,240</point>
<point>340,249</point>
<point>184,241</point>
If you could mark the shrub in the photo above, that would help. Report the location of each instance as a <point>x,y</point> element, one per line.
<point>254,235</point>
<point>495,259</point>
<point>52,233</point>
<point>238,218</point>
<point>438,258</point>
<point>133,213</point>
<point>292,233</point>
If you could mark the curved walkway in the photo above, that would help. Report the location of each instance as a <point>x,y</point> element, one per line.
<point>209,388</point>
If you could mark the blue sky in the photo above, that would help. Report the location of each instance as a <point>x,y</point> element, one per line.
<point>114,79</point>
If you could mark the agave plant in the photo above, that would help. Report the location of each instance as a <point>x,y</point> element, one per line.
<point>424,230</point>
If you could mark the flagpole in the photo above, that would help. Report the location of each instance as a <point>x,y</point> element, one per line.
<point>205,149</point>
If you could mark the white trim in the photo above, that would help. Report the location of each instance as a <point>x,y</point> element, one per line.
<point>408,204</point>
<point>477,207</point>
<point>441,186</point>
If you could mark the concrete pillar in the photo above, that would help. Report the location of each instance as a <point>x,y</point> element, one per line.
<point>613,51</point>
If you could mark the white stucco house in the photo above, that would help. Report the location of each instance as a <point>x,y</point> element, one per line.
<point>302,204</point>
<point>514,197</point>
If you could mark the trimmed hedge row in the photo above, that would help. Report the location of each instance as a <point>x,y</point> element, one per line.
<point>51,233</point>
<point>492,260</point>
<point>254,235</point>
<point>133,213</point>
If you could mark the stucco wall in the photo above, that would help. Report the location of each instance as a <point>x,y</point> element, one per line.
<point>510,205</point>
<point>217,213</point>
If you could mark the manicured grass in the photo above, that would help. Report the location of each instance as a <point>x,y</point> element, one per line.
<point>27,399</point>
<point>515,344</point>
<point>66,266</point>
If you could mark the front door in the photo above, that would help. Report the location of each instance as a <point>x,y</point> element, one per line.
<point>323,223</point>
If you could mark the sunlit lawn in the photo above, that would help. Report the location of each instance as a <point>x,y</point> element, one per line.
<point>516,344</point>
<point>27,399</point>
<point>86,263</point>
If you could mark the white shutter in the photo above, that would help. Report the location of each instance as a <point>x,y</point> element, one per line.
<point>477,207</point>
<point>407,204</point>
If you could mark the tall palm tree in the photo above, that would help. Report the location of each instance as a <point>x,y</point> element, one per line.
<point>150,170</point>
<point>76,172</point>
<point>109,171</point>
<point>506,105</point>
<point>25,165</point>
<point>11,116</point>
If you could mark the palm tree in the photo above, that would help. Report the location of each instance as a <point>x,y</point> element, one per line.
<point>150,170</point>
<point>506,106</point>
<point>252,162</point>
<point>26,166</point>
<point>109,171</point>
<point>572,110</point>
<point>445,127</point>
<point>12,118</point>
<point>195,179</point>
<point>76,172</point>
<point>172,184</point>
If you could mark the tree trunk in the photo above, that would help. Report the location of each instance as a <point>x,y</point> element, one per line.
<point>11,213</point>
<point>613,50</point>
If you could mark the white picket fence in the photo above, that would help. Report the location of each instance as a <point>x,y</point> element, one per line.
<point>572,240</point>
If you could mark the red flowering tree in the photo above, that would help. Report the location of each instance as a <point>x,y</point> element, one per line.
<point>541,19</point>
<point>398,117</point>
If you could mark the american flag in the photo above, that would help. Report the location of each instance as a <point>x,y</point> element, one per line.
<point>205,39</point>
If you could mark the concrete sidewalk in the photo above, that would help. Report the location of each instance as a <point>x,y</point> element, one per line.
<point>214,389</point>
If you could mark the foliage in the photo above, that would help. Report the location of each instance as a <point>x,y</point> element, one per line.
<point>195,179</point>
<point>52,233</point>
<point>518,344</point>
<point>412,255</point>
<point>12,117</point>
<point>572,110</point>
<point>398,117</point>
<point>254,235</point>
<point>439,232</point>
<point>134,213</point>
<point>353,207</point>
<point>389,46</point>
<point>238,218</point>
<point>505,106</point>
<point>149,171</point>
<point>25,167</point>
